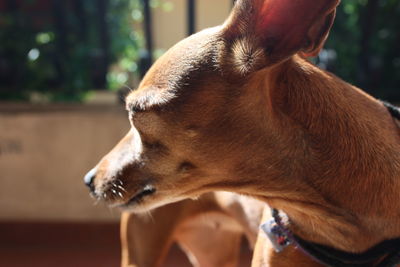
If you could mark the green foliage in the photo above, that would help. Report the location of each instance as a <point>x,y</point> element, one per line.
<point>64,50</point>
<point>28,49</point>
<point>126,41</point>
<point>366,39</point>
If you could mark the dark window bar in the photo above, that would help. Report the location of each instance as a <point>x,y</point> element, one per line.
<point>146,58</point>
<point>191,16</point>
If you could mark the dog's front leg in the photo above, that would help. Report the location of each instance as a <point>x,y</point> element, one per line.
<point>144,242</point>
<point>207,246</point>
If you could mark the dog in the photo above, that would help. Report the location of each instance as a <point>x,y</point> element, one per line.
<point>239,108</point>
<point>209,230</point>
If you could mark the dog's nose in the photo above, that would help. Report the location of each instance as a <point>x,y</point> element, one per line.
<point>89,179</point>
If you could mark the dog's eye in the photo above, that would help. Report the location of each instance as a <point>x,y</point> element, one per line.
<point>186,166</point>
<point>154,145</point>
<point>136,109</point>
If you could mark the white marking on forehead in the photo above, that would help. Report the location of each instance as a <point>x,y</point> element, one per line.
<point>149,97</point>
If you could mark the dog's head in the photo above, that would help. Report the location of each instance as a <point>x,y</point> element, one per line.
<point>202,117</point>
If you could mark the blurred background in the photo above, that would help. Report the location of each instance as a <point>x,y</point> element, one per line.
<point>65,66</point>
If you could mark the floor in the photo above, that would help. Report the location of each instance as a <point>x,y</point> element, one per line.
<point>71,245</point>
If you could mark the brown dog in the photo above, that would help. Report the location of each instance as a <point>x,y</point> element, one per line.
<point>209,230</point>
<point>237,108</point>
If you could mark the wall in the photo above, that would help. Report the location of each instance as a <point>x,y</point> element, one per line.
<point>44,154</point>
<point>170,27</point>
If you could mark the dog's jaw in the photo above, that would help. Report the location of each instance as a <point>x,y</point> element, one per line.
<point>147,202</point>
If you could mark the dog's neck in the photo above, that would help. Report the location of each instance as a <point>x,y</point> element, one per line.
<point>338,174</point>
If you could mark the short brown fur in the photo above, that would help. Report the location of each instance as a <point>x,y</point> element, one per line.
<point>276,128</point>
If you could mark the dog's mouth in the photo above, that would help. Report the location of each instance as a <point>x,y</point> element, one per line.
<point>148,190</point>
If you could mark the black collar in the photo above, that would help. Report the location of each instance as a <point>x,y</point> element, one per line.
<point>387,253</point>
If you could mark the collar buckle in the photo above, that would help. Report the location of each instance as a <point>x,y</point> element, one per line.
<point>276,234</point>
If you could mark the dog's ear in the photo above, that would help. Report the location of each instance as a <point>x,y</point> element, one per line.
<point>276,29</point>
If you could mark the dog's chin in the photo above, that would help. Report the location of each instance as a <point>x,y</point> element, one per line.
<point>147,203</point>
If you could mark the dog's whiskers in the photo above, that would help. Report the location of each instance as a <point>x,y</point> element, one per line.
<point>122,188</point>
